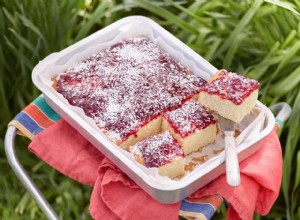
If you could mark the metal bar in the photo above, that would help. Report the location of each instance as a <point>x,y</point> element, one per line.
<point>9,146</point>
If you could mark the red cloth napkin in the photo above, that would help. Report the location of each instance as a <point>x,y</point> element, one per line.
<point>115,196</point>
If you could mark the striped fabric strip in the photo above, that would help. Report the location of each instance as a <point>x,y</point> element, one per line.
<point>36,117</point>
<point>29,123</point>
<point>201,208</point>
<point>41,103</point>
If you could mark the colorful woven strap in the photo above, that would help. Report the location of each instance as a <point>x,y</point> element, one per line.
<point>36,117</point>
<point>202,208</point>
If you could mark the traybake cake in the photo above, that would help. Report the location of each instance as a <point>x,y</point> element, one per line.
<point>230,95</point>
<point>192,126</point>
<point>161,151</point>
<point>126,87</point>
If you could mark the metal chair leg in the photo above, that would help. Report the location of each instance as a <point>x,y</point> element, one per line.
<point>9,146</point>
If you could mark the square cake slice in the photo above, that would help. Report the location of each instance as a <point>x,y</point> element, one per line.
<point>192,126</point>
<point>230,95</point>
<point>161,151</point>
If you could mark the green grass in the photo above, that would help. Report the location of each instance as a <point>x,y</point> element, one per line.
<point>257,38</point>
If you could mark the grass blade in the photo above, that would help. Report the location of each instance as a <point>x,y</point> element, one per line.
<point>190,13</point>
<point>297,179</point>
<point>251,37</point>
<point>24,42</point>
<point>159,11</point>
<point>260,68</point>
<point>292,140</point>
<point>289,54</point>
<point>97,15</point>
<point>283,5</point>
<point>212,49</point>
<point>288,40</point>
<point>9,16</point>
<point>232,50</point>
<point>27,23</point>
<point>239,27</point>
<point>290,82</point>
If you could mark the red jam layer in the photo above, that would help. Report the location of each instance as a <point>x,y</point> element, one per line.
<point>231,86</point>
<point>189,117</point>
<point>127,85</point>
<point>159,150</point>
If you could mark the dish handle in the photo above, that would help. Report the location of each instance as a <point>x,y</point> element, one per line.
<point>282,112</point>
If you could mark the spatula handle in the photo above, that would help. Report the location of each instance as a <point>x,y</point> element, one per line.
<point>231,159</point>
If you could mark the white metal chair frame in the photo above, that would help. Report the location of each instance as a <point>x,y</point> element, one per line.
<point>17,167</point>
<point>283,112</point>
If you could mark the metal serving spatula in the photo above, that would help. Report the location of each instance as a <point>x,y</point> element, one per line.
<point>231,159</point>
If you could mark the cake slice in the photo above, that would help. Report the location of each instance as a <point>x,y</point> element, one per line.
<point>192,126</point>
<point>230,95</point>
<point>161,151</point>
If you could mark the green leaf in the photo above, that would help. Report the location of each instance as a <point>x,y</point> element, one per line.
<point>289,39</point>
<point>286,84</point>
<point>31,26</point>
<point>239,27</point>
<point>9,16</point>
<point>295,192</point>
<point>5,111</point>
<point>283,4</point>
<point>288,55</point>
<point>297,179</point>
<point>232,51</point>
<point>162,13</point>
<point>25,42</point>
<point>190,13</point>
<point>96,16</point>
<point>23,203</point>
<point>291,144</point>
<point>261,42</point>
<point>212,49</point>
<point>259,70</point>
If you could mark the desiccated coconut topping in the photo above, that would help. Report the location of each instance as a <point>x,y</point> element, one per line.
<point>231,86</point>
<point>189,117</point>
<point>159,150</point>
<point>126,85</point>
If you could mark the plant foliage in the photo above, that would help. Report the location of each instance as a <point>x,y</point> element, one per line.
<point>260,39</point>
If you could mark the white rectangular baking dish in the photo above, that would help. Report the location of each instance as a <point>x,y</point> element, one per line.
<point>161,189</point>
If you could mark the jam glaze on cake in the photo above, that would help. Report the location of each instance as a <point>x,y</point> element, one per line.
<point>192,126</point>
<point>126,88</point>
<point>160,151</point>
<point>231,95</point>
